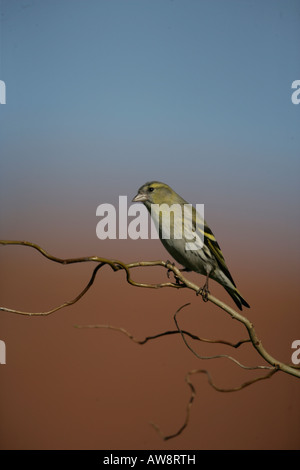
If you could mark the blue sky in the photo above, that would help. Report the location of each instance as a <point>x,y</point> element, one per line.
<point>105,95</point>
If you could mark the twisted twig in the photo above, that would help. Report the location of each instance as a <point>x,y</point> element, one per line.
<point>193,395</point>
<point>181,282</point>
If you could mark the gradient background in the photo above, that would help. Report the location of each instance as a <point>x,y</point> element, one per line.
<point>103,96</point>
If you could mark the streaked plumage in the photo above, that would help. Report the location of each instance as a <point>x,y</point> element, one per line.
<point>209,259</point>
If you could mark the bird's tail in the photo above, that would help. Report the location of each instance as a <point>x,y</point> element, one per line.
<point>237,298</point>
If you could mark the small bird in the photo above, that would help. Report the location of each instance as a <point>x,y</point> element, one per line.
<point>207,258</point>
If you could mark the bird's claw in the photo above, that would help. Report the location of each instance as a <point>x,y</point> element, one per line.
<point>177,280</point>
<point>203,291</point>
<point>169,270</point>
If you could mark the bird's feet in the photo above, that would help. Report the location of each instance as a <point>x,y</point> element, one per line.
<point>203,291</point>
<point>169,270</point>
<point>177,280</point>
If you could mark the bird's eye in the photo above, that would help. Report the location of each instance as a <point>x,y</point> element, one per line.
<point>151,189</point>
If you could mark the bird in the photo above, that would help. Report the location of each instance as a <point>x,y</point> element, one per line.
<point>206,258</point>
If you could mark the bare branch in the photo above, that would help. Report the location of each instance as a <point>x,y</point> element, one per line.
<point>218,356</point>
<point>203,371</point>
<point>165,333</point>
<point>181,282</point>
<point>193,395</point>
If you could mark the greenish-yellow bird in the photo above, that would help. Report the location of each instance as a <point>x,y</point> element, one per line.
<point>205,257</point>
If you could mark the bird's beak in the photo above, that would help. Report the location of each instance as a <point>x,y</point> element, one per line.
<point>140,198</point>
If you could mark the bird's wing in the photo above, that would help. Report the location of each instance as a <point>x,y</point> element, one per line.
<point>211,242</point>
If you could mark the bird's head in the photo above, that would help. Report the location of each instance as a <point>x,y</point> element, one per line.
<point>157,193</point>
